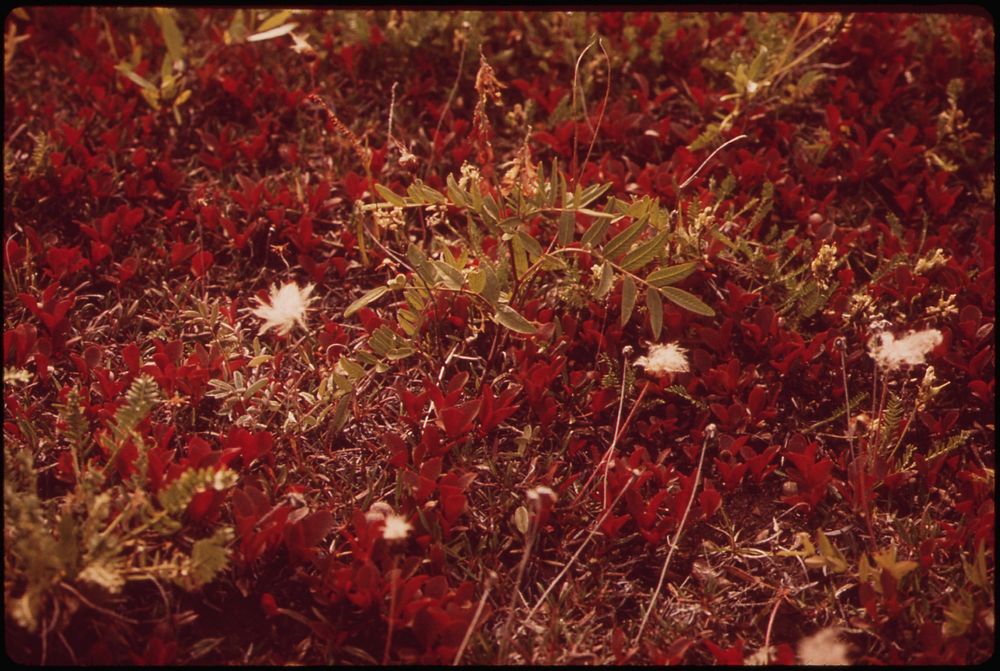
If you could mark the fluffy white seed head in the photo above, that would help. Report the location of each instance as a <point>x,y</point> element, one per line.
<point>824,648</point>
<point>286,308</point>
<point>669,358</point>
<point>890,352</point>
<point>396,527</point>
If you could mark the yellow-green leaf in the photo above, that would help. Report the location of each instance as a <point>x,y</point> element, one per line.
<point>509,317</point>
<point>477,280</point>
<point>628,298</point>
<point>275,20</point>
<point>671,274</point>
<point>452,278</point>
<point>604,285</point>
<point>621,242</point>
<point>897,569</point>
<point>273,33</point>
<point>595,234</point>
<point>369,297</point>
<point>689,302</point>
<point>655,306</point>
<point>390,196</point>
<point>126,70</point>
<point>182,98</point>
<point>831,555</point>
<point>171,33</point>
<point>644,253</point>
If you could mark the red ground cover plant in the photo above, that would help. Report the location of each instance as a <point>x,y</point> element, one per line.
<point>498,337</point>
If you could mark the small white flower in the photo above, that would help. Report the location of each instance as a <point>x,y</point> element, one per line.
<point>669,358</point>
<point>300,44</point>
<point>824,648</point>
<point>287,307</point>
<point>396,528</point>
<point>891,352</point>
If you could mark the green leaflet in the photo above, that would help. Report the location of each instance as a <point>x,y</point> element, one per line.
<point>171,33</point>
<point>604,285</point>
<point>628,298</point>
<point>671,274</point>
<point>126,70</point>
<point>509,317</point>
<point>390,196</point>
<point>209,557</point>
<point>655,306</point>
<point>644,253</point>
<point>595,234</point>
<point>621,242</point>
<point>567,226</point>
<point>453,279</point>
<point>369,297</point>
<point>594,213</point>
<point>582,199</point>
<point>477,280</point>
<point>275,20</point>
<point>687,301</point>
<point>532,246</point>
<point>455,192</point>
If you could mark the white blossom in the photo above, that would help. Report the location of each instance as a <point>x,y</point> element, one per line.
<point>669,358</point>
<point>287,308</point>
<point>300,44</point>
<point>824,648</point>
<point>891,352</point>
<point>396,527</point>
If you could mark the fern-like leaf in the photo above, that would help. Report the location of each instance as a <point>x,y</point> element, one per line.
<point>176,496</point>
<point>209,557</point>
<point>141,398</point>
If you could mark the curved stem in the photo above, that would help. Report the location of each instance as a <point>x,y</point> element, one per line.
<point>677,537</point>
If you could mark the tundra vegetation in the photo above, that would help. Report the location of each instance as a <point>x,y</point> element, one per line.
<point>340,337</point>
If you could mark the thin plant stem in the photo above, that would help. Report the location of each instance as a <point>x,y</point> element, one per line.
<point>841,345</point>
<point>710,157</point>
<point>576,554</point>
<point>861,470</point>
<point>677,536</point>
<point>392,611</point>
<point>529,543</point>
<point>447,106</point>
<point>878,427</point>
<point>770,626</point>
<point>600,117</point>
<point>475,618</point>
<point>618,422</point>
<point>874,410</point>
<point>576,71</point>
<point>906,427</point>
<point>618,431</point>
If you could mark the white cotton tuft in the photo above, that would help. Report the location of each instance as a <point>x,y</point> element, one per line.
<point>287,308</point>
<point>891,352</point>
<point>824,648</point>
<point>669,358</point>
<point>396,528</point>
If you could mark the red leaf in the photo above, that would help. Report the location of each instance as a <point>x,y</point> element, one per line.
<point>710,499</point>
<point>201,262</point>
<point>732,655</point>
